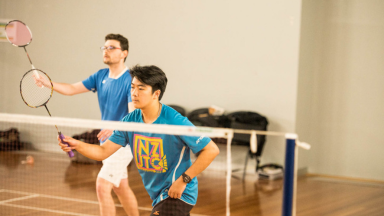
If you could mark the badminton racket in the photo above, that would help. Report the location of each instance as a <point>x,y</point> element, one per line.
<point>19,35</point>
<point>36,89</point>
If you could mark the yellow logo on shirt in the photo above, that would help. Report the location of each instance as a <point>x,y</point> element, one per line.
<point>149,154</point>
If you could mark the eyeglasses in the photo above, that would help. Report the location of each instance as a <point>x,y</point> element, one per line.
<point>108,48</point>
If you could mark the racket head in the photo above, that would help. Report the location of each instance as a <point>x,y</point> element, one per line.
<point>18,33</point>
<point>35,92</point>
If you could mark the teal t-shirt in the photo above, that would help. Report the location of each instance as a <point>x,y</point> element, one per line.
<point>162,158</point>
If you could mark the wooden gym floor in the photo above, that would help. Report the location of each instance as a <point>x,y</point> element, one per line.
<point>55,186</point>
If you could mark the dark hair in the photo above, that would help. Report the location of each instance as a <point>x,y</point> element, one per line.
<point>150,75</point>
<point>124,44</point>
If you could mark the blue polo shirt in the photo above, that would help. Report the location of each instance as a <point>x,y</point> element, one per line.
<point>162,158</point>
<point>114,94</point>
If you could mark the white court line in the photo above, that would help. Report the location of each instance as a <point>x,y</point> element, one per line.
<point>62,198</point>
<point>67,199</point>
<point>20,198</point>
<point>45,210</point>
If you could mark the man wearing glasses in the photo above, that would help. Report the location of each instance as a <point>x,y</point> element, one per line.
<point>113,85</point>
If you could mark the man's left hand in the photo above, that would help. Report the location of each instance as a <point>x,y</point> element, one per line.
<point>177,188</point>
<point>104,134</point>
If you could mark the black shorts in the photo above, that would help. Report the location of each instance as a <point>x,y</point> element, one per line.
<point>171,207</point>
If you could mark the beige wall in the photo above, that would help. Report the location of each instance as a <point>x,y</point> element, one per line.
<point>340,92</point>
<point>240,55</point>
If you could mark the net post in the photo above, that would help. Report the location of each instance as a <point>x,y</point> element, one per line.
<point>289,176</point>
<point>229,172</point>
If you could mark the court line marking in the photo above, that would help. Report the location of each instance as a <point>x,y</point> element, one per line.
<point>43,209</point>
<point>19,198</point>
<point>63,198</point>
<point>67,199</point>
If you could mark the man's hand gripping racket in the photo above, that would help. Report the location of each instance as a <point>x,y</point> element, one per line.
<point>67,144</point>
<point>40,81</point>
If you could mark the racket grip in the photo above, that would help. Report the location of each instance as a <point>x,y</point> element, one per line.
<point>70,153</point>
<point>35,72</point>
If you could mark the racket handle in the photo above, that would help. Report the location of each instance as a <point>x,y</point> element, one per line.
<point>35,72</point>
<point>70,153</point>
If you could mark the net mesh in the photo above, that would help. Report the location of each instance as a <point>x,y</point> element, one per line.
<point>35,88</point>
<point>37,176</point>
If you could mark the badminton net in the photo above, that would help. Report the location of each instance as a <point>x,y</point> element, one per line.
<point>36,176</point>
<point>34,171</point>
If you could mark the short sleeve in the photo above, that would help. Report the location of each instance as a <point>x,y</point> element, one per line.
<point>120,137</point>
<point>195,143</point>
<point>90,82</point>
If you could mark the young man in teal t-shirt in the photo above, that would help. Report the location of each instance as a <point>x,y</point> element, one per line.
<point>163,160</point>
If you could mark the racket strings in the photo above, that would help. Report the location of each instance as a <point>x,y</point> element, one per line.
<point>34,92</point>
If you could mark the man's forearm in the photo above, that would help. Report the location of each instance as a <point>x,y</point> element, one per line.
<point>95,152</point>
<point>63,88</point>
<point>69,89</point>
<point>206,156</point>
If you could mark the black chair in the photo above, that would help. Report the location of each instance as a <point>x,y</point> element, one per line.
<point>248,121</point>
<point>179,109</point>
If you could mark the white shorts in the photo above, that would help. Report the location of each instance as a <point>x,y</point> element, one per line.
<point>114,168</point>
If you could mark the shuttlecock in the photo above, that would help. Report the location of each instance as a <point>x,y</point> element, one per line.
<point>28,160</point>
